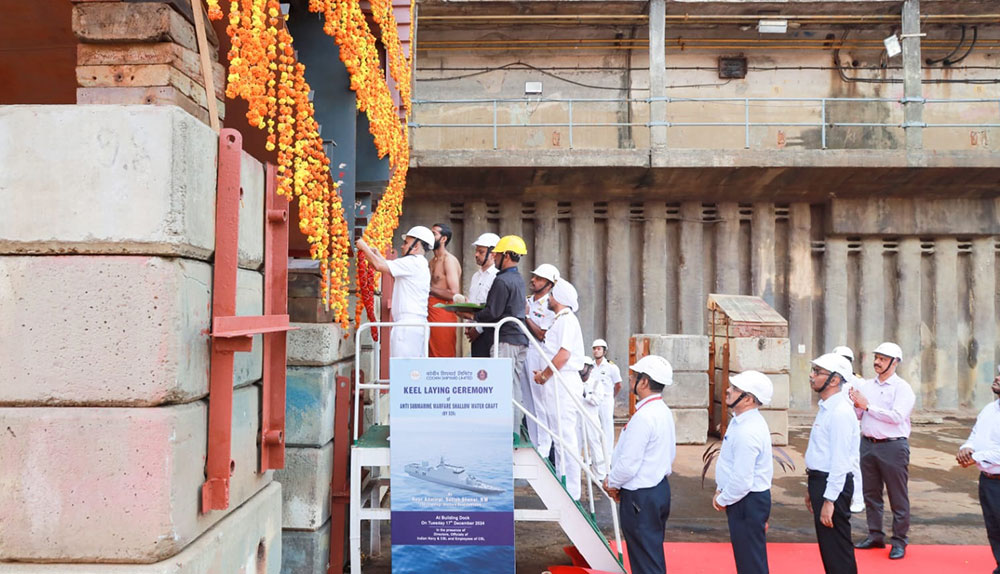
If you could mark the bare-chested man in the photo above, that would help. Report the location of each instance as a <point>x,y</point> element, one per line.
<point>446,281</point>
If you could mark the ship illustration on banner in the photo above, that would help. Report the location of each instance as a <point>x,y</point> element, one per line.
<point>450,475</point>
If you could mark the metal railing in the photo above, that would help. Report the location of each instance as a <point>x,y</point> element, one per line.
<point>822,107</point>
<point>557,434</point>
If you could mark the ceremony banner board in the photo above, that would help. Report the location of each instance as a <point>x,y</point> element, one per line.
<point>451,466</point>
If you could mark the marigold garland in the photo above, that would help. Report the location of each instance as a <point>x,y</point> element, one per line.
<point>264,72</point>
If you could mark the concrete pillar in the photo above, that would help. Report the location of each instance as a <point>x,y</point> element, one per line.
<point>801,280</point>
<point>547,233</point>
<point>909,321</point>
<point>727,249</point>
<point>834,293</point>
<point>984,326</point>
<point>691,271</point>
<point>871,304</point>
<point>619,277</point>
<point>581,265</point>
<point>510,218</point>
<point>475,224</point>
<point>657,72</point>
<point>945,394</point>
<point>762,271</point>
<point>654,268</point>
<point>913,95</point>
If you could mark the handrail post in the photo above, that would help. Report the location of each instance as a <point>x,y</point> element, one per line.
<point>822,119</point>
<point>571,124</point>
<point>746,123</point>
<point>494,124</point>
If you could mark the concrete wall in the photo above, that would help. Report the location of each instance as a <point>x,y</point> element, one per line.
<point>106,243</point>
<point>651,265</point>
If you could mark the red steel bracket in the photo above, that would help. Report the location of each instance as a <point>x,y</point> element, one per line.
<point>232,334</point>
<point>340,487</point>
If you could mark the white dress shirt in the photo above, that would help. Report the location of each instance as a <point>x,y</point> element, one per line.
<point>833,442</point>
<point>480,285</point>
<point>889,406</point>
<point>607,375</point>
<point>985,439</point>
<point>565,333</point>
<point>646,447</point>
<point>745,463</point>
<point>411,286</point>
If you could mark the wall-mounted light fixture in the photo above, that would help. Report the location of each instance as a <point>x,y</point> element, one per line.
<point>772,26</point>
<point>532,88</point>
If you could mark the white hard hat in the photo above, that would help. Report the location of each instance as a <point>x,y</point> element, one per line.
<point>547,271</point>
<point>422,233</point>
<point>487,240</point>
<point>890,350</point>
<point>565,293</point>
<point>756,383</point>
<point>656,368</point>
<point>835,364</point>
<point>599,343</point>
<point>844,352</point>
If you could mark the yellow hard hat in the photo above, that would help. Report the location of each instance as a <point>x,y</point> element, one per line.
<point>511,244</point>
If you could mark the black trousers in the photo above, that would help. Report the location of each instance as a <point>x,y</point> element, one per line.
<point>989,499</point>
<point>835,544</point>
<point>747,531</point>
<point>644,514</point>
<point>886,465</point>
<point>481,346</point>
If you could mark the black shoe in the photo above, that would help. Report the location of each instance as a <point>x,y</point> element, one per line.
<point>868,543</point>
<point>897,552</point>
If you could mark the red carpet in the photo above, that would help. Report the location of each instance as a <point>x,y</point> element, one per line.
<point>796,558</point>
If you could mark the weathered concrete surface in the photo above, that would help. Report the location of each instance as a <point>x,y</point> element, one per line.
<point>145,183</point>
<point>316,344</point>
<point>246,541</point>
<point>305,483</point>
<point>121,330</point>
<point>685,352</point>
<point>115,484</point>
<point>691,425</point>
<point>688,391</point>
<point>309,406</point>
<point>305,551</point>
<point>765,354</point>
<point>910,216</point>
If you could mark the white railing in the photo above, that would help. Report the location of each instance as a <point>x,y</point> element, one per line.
<point>557,434</point>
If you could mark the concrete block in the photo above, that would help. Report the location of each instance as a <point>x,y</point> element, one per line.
<point>305,551</point>
<point>765,354</point>
<point>688,390</point>
<point>305,481</point>
<point>115,484</point>
<point>685,352</point>
<point>146,184</point>
<point>248,540</point>
<point>125,331</point>
<point>777,422</point>
<point>691,425</point>
<point>780,382</point>
<point>316,344</point>
<point>309,406</point>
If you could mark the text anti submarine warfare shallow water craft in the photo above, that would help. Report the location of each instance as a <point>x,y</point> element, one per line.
<point>450,475</point>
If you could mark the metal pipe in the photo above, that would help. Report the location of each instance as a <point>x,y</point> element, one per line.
<point>715,18</point>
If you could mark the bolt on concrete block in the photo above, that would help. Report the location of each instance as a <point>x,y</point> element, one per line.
<point>685,352</point>
<point>689,390</point>
<point>691,425</point>
<point>247,540</point>
<point>765,354</point>
<point>309,406</point>
<point>305,551</point>
<point>120,330</point>
<point>305,481</point>
<point>146,185</point>
<point>315,344</point>
<point>115,484</point>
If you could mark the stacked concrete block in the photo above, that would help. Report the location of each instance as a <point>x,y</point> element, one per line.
<point>769,355</point>
<point>317,354</point>
<point>106,274</point>
<point>688,397</point>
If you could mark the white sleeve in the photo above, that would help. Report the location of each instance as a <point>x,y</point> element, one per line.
<point>403,266</point>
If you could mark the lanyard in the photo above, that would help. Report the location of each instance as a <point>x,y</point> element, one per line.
<point>651,399</point>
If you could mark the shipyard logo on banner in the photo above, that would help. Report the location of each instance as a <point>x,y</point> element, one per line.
<point>452,465</point>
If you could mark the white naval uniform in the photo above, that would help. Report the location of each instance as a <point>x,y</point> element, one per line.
<point>595,394</point>
<point>609,375</point>
<point>565,333</point>
<point>858,500</point>
<point>542,396</point>
<point>410,289</point>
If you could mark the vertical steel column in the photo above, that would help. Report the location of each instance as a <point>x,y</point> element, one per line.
<point>340,486</point>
